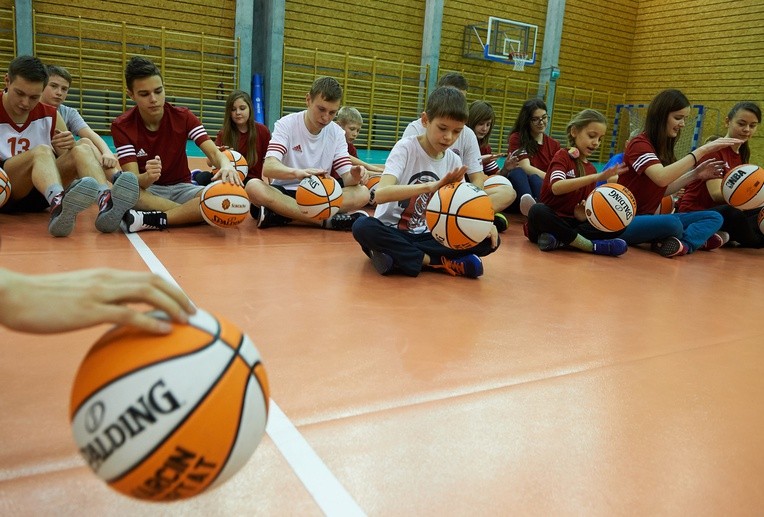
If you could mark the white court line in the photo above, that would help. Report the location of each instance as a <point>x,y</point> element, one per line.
<point>319,481</point>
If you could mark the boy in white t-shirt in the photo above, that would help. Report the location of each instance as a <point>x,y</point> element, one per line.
<point>468,149</point>
<point>306,144</point>
<point>397,237</point>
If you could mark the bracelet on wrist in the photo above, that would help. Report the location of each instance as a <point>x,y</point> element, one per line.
<point>694,158</point>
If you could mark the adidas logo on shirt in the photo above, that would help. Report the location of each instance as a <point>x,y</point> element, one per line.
<point>297,148</point>
<point>141,153</point>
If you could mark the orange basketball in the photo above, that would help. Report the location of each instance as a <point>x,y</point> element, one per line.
<point>238,161</point>
<point>742,187</point>
<point>610,207</point>
<point>319,197</point>
<point>224,204</point>
<point>459,215</point>
<point>666,206</point>
<point>372,181</point>
<point>5,187</point>
<point>165,417</point>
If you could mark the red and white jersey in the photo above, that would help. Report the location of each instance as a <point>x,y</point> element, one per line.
<point>411,165</point>
<point>135,143</point>
<point>294,146</point>
<point>563,167</point>
<point>37,130</point>
<point>696,196</point>
<point>466,146</point>
<point>639,156</point>
<point>543,157</point>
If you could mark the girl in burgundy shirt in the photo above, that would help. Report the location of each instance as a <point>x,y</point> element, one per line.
<point>559,219</point>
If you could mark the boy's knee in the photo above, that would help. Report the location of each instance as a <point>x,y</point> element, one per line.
<point>42,151</point>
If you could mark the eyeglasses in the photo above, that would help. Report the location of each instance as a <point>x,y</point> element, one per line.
<point>539,120</point>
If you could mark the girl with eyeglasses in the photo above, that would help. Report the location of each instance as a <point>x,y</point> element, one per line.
<point>534,149</point>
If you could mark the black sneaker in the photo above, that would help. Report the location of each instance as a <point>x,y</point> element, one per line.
<point>669,247</point>
<point>548,242</point>
<point>65,206</point>
<point>115,202</point>
<point>267,217</point>
<point>500,222</point>
<point>138,221</point>
<point>382,262</point>
<point>343,222</point>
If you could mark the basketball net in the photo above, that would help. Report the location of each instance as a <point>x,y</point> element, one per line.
<point>518,61</point>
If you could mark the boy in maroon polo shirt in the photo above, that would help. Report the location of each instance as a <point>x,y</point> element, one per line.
<point>151,143</point>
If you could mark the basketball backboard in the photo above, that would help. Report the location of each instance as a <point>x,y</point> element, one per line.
<point>505,41</point>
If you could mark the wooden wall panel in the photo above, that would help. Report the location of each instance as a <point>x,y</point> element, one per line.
<point>389,29</point>
<point>712,50</point>
<point>597,37</point>
<point>214,18</point>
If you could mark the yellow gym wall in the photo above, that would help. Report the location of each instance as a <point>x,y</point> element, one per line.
<point>389,29</point>
<point>597,37</point>
<point>712,50</point>
<point>214,18</point>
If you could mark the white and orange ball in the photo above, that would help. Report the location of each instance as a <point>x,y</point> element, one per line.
<point>496,180</point>
<point>237,160</point>
<point>319,197</point>
<point>610,207</point>
<point>165,417</point>
<point>224,204</point>
<point>743,187</point>
<point>459,215</point>
<point>5,187</point>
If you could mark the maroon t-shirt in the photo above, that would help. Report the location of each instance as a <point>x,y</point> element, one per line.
<point>639,156</point>
<point>255,170</point>
<point>136,143</point>
<point>542,158</point>
<point>352,151</point>
<point>562,167</point>
<point>696,196</point>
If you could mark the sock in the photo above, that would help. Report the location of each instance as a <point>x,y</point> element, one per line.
<point>582,243</point>
<point>53,191</point>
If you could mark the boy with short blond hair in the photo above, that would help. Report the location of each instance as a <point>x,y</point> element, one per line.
<point>351,121</point>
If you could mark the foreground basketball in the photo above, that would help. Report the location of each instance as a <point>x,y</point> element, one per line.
<point>459,215</point>
<point>5,187</point>
<point>224,205</point>
<point>610,207</point>
<point>165,417</point>
<point>743,187</point>
<point>238,161</point>
<point>319,197</point>
<point>497,180</point>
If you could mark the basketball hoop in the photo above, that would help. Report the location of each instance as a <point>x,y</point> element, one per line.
<point>518,61</point>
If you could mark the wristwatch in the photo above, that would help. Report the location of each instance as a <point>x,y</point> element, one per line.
<point>371,196</point>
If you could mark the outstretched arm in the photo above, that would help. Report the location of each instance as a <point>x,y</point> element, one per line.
<point>61,302</point>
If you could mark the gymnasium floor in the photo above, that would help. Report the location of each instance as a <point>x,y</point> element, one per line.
<point>557,384</point>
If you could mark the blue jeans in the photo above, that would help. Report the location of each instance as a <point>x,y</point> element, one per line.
<point>692,228</point>
<point>523,183</point>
